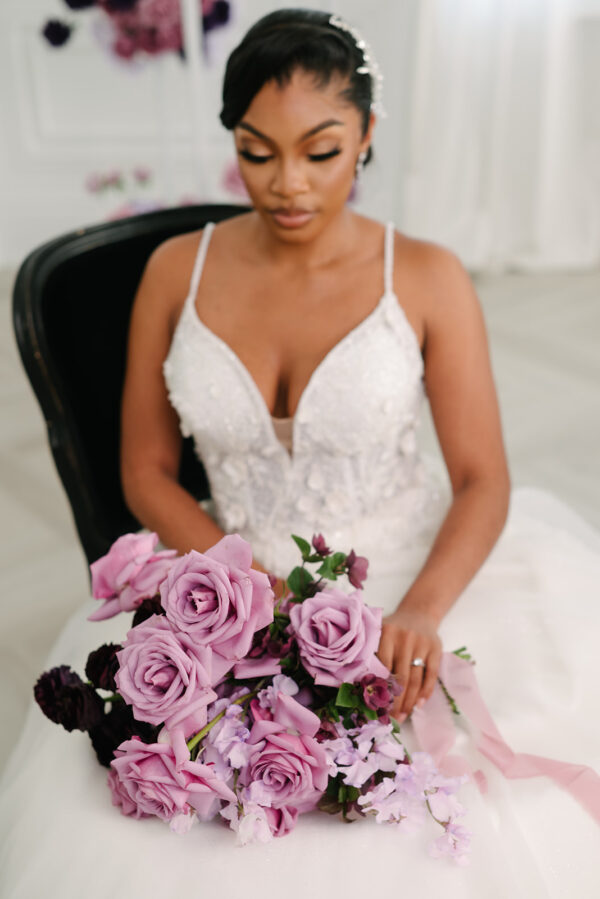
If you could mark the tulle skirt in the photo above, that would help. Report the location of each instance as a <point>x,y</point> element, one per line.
<point>530,618</point>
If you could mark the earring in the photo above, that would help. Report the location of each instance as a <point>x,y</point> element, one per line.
<point>360,163</point>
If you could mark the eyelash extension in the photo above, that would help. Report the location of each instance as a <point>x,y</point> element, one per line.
<point>321,157</point>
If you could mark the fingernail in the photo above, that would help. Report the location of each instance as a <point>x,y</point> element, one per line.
<point>421,702</point>
<point>402,717</point>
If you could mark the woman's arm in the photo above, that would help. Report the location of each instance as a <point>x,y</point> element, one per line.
<point>150,435</point>
<point>464,406</point>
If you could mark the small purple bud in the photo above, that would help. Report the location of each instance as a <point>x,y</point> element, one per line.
<point>357,569</point>
<point>319,545</point>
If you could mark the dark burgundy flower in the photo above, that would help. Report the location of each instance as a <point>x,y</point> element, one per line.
<point>116,727</point>
<point>146,609</point>
<point>357,569</point>
<point>65,699</point>
<point>326,731</point>
<point>102,665</point>
<point>119,5</point>
<point>56,32</point>
<point>218,15</point>
<point>319,545</point>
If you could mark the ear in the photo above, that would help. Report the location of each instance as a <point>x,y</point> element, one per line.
<point>364,144</point>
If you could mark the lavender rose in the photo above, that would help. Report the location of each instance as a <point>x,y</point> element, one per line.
<point>130,572</point>
<point>287,767</point>
<point>219,600</point>
<point>337,636</point>
<point>167,678</point>
<point>146,780</point>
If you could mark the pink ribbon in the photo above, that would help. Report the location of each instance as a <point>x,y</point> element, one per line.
<point>435,732</point>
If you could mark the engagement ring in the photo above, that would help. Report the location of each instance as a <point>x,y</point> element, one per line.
<point>418,663</point>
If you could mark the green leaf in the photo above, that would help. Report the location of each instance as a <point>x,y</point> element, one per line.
<point>299,580</point>
<point>346,697</point>
<point>338,560</point>
<point>353,793</point>
<point>302,544</point>
<point>371,714</point>
<point>326,569</point>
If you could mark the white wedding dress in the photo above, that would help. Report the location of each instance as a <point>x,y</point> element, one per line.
<point>530,618</point>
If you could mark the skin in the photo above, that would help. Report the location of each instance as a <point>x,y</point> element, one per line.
<point>289,298</point>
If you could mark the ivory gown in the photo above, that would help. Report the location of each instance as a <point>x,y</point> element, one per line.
<point>530,618</point>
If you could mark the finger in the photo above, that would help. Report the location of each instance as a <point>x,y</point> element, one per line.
<point>404,654</point>
<point>386,649</point>
<point>413,689</point>
<point>431,673</point>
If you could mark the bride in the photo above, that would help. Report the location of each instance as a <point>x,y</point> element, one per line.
<point>296,343</point>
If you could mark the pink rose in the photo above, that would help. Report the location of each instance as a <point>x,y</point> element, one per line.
<point>337,636</point>
<point>219,600</point>
<point>287,767</point>
<point>145,780</point>
<point>166,677</point>
<point>130,572</point>
<point>281,820</point>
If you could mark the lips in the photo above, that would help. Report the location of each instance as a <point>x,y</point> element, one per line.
<point>290,210</point>
<point>291,216</point>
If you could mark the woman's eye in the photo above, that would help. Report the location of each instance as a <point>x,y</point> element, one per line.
<point>252,158</point>
<point>321,156</point>
<point>314,157</point>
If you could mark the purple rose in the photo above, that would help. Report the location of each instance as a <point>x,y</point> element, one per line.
<point>166,677</point>
<point>146,780</point>
<point>287,767</point>
<point>281,820</point>
<point>337,637</point>
<point>218,599</point>
<point>130,572</point>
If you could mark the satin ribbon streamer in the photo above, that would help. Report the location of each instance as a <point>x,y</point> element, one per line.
<point>436,734</point>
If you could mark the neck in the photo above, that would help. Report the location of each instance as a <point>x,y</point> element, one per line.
<point>311,251</point>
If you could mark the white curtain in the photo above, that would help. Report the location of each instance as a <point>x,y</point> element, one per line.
<point>503,132</point>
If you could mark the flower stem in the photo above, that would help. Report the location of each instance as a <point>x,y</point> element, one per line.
<point>193,741</point>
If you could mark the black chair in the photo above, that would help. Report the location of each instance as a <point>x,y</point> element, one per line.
<point>71,305</point>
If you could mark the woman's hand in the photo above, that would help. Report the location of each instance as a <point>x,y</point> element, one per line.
<point>408,634</point>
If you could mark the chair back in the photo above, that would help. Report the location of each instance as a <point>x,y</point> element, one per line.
<point>72,301</point>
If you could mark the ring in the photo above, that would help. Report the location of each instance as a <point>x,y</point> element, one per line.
<point>418,663</point>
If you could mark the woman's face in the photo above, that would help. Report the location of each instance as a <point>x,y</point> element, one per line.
<point>297,149</point>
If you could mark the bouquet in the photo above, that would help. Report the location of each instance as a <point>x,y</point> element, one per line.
<point>222,703</point>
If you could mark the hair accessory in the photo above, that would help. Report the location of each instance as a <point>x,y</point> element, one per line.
<point>369,64</point>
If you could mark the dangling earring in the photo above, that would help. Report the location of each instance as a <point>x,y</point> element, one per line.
<point>360,163</point>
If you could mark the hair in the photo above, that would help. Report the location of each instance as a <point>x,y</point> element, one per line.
<point>282,42</point>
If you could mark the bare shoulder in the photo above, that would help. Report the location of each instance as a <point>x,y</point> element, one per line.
<point>167,273</point>
<point>443,295</point>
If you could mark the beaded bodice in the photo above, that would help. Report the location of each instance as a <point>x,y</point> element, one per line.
<point>354,472</point>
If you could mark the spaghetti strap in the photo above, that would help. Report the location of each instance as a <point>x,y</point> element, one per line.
<point>199,262</point>
<point>388,263</point>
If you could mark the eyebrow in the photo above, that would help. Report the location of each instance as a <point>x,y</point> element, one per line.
<point>306,135</point>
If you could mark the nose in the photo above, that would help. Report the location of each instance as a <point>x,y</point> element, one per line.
<point>289,177</point>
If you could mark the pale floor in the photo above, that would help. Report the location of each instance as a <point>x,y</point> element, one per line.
<point>544,335</point>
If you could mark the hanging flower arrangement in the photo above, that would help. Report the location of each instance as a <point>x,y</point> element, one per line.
<point>140,26</point>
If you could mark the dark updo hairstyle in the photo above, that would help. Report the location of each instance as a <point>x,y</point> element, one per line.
<point>286,40</point>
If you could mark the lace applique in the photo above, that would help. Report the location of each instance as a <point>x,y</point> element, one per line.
<point>354,450</point>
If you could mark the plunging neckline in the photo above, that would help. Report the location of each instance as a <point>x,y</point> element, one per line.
<point>387,295</point>
<point>253,386</point>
